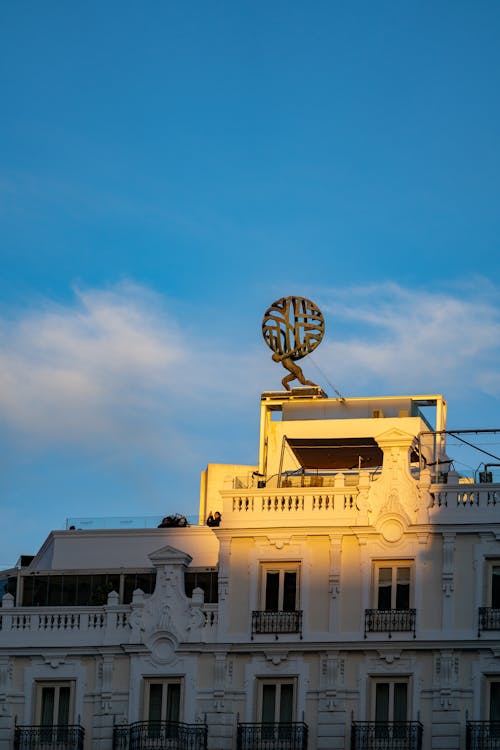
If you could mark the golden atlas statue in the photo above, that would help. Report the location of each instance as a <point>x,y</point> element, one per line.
<point>292,328</point>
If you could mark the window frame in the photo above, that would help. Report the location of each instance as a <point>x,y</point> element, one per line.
<point>39,687</point>
<point>491,600</point>
<point>280,567</point>
<point>391,681</point>
<point>394,565</point>
<point>165,681</point>
<point>277,683</point>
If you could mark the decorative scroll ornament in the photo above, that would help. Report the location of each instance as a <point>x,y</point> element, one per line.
<point>292,328</point>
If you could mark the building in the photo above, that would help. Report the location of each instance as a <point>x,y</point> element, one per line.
<point>350,597</point>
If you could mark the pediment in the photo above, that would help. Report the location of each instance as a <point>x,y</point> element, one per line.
<point>395,437</point>
<point>170,556</point>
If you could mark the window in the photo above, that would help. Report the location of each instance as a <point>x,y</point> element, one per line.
<point>83,589</point>
<point>390,710</point>
<point>277,702</point>
<point>205,579</point>
<point>162,700</point>
<point>277,707</point>
<point>392,588</point>
<point>494,592</point>
<point>391,701</point>
<point>495,702</point>
<point>280,587</point>
<point>54,711</point>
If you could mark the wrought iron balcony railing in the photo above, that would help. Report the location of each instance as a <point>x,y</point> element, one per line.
<point>276,622</point>
<point>266,736</point>
<point>489,619</point>
<point>482,735</point>
<point>45,737</point>
<point>390,621</point>
<point>386,735</point>
<point>160,735</point>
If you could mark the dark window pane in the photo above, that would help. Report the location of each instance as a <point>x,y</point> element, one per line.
<point>55,591</point>
<point>40,591</point>
<point>146,582</point>
<point>63,708</point>
<point>495,587</point>
<point>155,701</point>
<point>189,583</point>
<point>495,701</point>
<point>403,588</point>
<point>268,703</point>
<point>173,702</point>
<point>27,595</point>
<point>83,594</point>
<point>400,708</point>
<point>69,585</point>
<point>272,591</point>
<point>289,591</point>
<point>286,703</point>
<point>382,701</point>
<point>48,696</point>
<point>99,590</point>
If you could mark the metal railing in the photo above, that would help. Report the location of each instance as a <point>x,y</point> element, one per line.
<point>276,622</point>
<point>489,619</point>
<point>282,736</point>
<point>386,735</point>
<point>482,735</point>
<point>390,621</point>
<point>160,735</point>
<point>44,737</point>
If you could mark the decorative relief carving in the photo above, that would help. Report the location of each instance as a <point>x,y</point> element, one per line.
<point>276,657</point>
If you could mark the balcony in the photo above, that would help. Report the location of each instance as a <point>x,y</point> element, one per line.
<point>276,622</point>
<point>482,735</point>
<point>281,736</point>
<point>390,621</point>
<point>57,737</point>
<point>489,619</point>
<point>160,735</point>
<point>386,735</point>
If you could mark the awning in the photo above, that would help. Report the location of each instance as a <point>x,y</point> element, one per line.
<point>336,453</point>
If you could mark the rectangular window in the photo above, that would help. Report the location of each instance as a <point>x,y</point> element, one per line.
<point>54,713</point>
<point>162,700</point>
<point>280,587</point>
<point>205,579</point>
<point>393,585</point>
<point>391,701</point>
<point>495,586</point>
<point>495,702</point>
<point>276,711</point>
<point>390,711</point>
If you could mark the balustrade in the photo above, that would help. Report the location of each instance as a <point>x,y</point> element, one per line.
<point>390,621</point>
<point>43,737</point>
<point>160,735</point>
<point>267,736</point>
<point>386,735</point>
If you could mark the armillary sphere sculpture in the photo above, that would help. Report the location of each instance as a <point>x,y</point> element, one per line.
<point>292,328</point>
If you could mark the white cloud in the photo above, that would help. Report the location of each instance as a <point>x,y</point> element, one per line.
<point>404,340</point>
<point>121,365</point>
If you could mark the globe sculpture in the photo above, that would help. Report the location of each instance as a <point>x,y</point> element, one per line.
<point>292,328</point>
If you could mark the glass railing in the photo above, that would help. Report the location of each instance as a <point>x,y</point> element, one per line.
<point>125,522</point>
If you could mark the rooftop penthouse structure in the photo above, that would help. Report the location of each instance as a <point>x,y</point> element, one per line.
<point>349,598</point>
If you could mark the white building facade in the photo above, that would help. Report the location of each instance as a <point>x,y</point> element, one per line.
<point>350,597</point>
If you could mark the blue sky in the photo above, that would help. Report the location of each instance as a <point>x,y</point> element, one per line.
<point>169,169</point>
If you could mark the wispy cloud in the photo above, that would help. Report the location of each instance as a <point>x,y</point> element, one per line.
<point>123,365</point>
<point>404,340</point>
<point>115,364</point>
